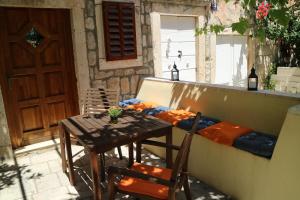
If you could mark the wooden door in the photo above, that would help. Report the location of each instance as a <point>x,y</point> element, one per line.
<point>36,72</point>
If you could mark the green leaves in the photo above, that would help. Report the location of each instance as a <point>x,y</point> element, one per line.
<point>261,34</point>
<point>241,27</point>
<point>214,28</point>
<point>280,16</point>
<point>217,28</point>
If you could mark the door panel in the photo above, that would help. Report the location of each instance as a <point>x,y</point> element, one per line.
<point>37,72</point>
<point>231,60</point>
<point>178,35</point>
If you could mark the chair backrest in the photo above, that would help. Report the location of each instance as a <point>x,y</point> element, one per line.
<point>98,99</point>
<point>183,154</point>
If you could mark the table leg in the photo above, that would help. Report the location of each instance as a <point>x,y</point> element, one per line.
<point>169,152</point>
<point>95,168</point>
<point>130,153</point>
<point>138,152</point>
<point>62,148</point>
<point>70,158</point>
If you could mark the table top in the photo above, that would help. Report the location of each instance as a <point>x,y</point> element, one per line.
<point>97,133</point>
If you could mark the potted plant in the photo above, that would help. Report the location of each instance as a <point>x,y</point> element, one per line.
<point>114,112</point>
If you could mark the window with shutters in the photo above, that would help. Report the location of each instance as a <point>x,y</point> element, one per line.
<point>119,31</point>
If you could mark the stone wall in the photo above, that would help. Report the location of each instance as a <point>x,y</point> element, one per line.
<point>5,145</point>
<point>287,79</point>
<point>123,75</point>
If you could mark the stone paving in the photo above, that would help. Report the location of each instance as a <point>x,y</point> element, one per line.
<point>38,175</point>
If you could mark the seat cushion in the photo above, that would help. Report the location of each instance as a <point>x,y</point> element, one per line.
<point>175,116</point>
<point>155,111</point>
<point>224,132</point>
<point>140,186</point>
<point>142,106</point>
<point>128,102</point>
<point>203,123</point>
<point>260,144</point>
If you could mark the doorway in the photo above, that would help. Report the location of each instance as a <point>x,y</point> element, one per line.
<point>37,73</point>
<point>178,45</point>
<point>231,60</point>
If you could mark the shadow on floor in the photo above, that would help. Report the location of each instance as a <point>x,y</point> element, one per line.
<point>199,190</point>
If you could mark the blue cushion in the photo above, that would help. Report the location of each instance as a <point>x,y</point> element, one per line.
<point>257,143</point>
<point>154,111</point>
<point>128,102</point>
<point>203,123</point>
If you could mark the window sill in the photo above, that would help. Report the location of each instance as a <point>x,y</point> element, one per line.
<point>119,64</point>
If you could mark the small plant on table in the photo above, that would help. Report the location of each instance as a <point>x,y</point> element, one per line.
<point>114,113</point>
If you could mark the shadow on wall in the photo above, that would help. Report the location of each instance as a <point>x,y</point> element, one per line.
<point>185,95</point>
<point>237,79</point>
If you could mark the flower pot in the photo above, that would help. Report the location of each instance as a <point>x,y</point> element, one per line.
<point>113,119</point>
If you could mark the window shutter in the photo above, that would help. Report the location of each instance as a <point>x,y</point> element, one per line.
<point>119,28</point>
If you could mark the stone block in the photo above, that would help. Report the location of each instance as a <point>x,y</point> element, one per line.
<point>99,83</point>
<point>148,8</point>
<point>128,72</point>
<point>143,71</point>
<point>90,8</point>
<point>103,75</point>
<point>92,58</point>
<point>134,81</point>
<point>144,41</point>
<point>91,40</point>
<point>150,54</point>
<point>113,83</point>
<point>125,89</point>
<point>89,23</point>
<point>119,72</point>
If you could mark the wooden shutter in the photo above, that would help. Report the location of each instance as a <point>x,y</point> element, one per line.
<point>119,30</point>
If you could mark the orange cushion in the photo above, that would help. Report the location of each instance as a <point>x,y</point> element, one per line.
<point>224,132</point>
<point>175,116</point>
<point>140,186</point>
<point>142,106</point>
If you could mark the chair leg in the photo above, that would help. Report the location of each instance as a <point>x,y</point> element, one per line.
<point>102,160</point>
<point>186,188</point>
<point>111,188</point>
<point>120,153</point>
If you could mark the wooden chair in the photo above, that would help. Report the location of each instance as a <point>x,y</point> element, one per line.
<point>149,182</point>
<point>97,100</point>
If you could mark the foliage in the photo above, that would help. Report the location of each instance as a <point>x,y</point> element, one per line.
<point>114,111</point>
<point>268,83</point>
<point>277,20</point>
<point>287,39</point>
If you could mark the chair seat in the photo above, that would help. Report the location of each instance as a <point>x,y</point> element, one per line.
<point>143,187</point>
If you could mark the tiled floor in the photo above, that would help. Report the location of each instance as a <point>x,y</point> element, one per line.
<point>38,175</point>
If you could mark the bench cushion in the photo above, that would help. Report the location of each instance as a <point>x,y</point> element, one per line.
<point>142,106</point>
<point>140,186</point>
<point>155,111</point>
<point>175,116</point>
<point>128,102</point>
<point>203,123</point>
<point>257,143</point>
<point>224,132</point>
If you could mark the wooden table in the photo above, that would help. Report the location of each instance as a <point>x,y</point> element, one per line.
<point>98,135</point>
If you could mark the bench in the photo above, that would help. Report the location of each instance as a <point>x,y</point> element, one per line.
<point>238,173</point>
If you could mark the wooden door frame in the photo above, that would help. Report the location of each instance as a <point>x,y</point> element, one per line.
<point>4,81</point>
